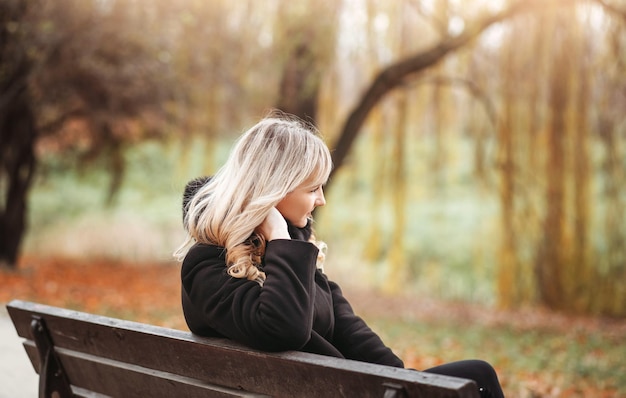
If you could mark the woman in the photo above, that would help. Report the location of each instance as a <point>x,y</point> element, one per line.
<point>252,267</point>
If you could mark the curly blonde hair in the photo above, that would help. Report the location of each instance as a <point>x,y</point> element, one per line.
<point>268,161</point>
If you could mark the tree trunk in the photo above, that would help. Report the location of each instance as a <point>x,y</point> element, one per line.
<point>582,272</point>
<point>300,85</point>
<point>397,270</point>
<point>17,133</point>
<point>550,254</point>
<point>17,136</point>
<point>508,270</point>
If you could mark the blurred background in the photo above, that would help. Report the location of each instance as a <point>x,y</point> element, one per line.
<point>479,150</point>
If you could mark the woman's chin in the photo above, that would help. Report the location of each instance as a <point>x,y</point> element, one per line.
<point>301,223</point>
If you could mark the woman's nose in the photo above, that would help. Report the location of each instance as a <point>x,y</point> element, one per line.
<point>320,200</point>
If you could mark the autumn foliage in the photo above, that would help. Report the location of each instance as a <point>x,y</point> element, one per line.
<point>141,292</point>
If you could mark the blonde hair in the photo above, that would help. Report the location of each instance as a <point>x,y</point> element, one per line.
<point>268,161</point>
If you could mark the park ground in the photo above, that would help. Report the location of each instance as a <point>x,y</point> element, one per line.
<point>537,353</point>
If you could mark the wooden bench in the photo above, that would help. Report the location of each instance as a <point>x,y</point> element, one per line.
<point>85,355</point>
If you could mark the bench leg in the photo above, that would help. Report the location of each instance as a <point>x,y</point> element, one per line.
<point>53,382</point>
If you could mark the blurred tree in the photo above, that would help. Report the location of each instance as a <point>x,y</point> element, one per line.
<point>398,267</point>
<point>203,60</point>
<point>17,128</point>
<point>609,274</point>
<point>438,101</point>
<point>305,32</point>
<point>90,63</point>
<point>582,172</point>
<point>508,269</point>
<point>549,248</point>
<point>399,72</point>
<point>550,254</point>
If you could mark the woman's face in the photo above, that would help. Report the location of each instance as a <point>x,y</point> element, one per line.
<point>298,205</point>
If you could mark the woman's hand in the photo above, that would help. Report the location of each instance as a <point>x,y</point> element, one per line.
<point>273,227</point>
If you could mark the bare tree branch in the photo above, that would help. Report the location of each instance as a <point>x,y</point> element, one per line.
<point>397,73</point>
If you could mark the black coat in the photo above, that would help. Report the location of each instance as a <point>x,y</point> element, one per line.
<point>297,308</point>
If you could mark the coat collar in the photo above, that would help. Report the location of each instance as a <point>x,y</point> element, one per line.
<point>300,233</point>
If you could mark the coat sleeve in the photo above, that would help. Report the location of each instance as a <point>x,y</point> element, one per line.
<point>277,316</point>
<point>354,338</point>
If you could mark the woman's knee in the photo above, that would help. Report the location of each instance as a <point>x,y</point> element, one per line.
<point>481,372</point>
<point>459,368</point>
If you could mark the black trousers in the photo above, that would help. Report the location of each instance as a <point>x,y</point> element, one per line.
<point>480,371</point>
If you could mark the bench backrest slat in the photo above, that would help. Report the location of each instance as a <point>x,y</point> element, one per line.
<point>123,358</point>
<point>118,379</point>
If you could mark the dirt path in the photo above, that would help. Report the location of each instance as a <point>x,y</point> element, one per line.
<point>17,376</point>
